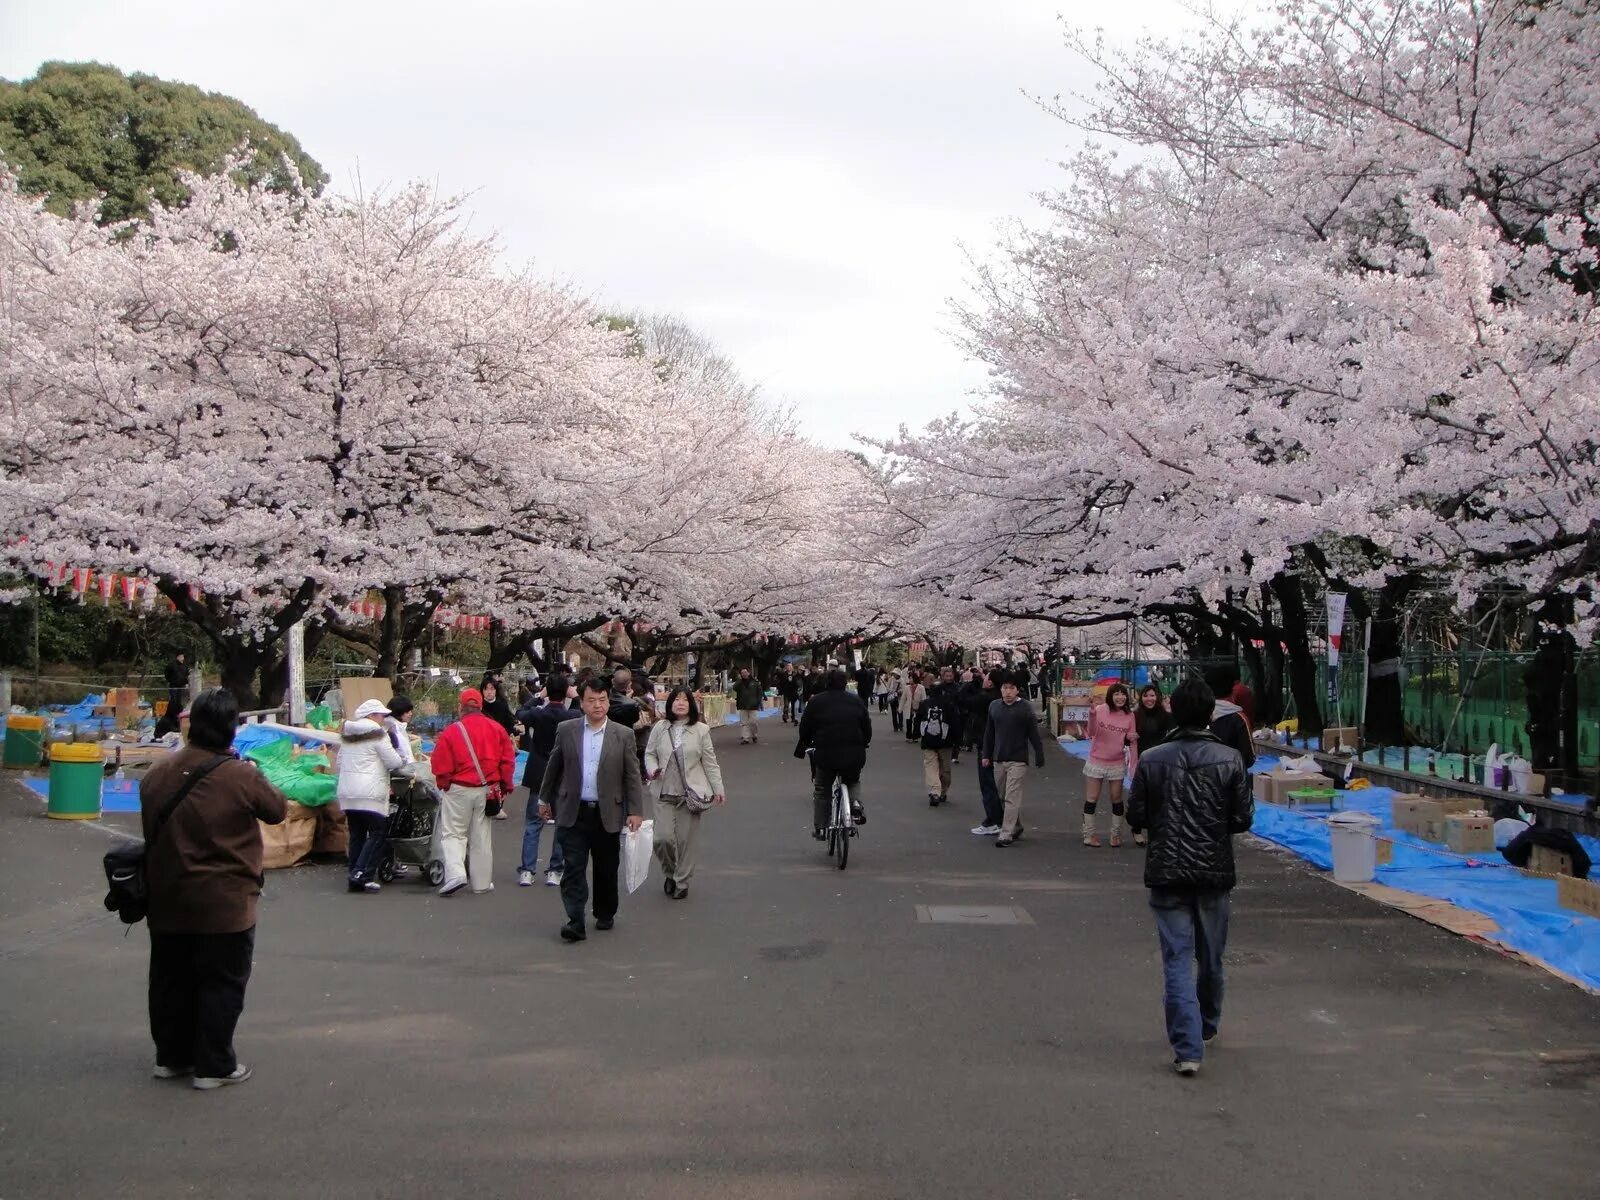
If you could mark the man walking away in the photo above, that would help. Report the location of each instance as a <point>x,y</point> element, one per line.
<point>939,718</point>
<point>541,722</point>
<point>1013,727</point>
<point>975,720</point>
<point>593,786</point>
<point>748,696</point>
<point>1192,794</point>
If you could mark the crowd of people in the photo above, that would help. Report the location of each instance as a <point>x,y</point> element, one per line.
<point>601,755</point>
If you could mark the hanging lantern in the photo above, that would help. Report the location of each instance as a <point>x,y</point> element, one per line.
<point>107,582</point>
<point>130,589</point>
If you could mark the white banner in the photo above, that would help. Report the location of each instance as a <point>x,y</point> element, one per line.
<point>1336,602</point>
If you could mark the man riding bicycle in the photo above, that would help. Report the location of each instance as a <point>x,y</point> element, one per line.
<point>837,729</point>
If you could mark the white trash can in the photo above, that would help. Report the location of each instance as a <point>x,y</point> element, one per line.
<point>1355,846</point>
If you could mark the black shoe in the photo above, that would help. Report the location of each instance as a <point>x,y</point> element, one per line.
<point>858,814</point>
<point>820,834</point>
<point>1018,833</point>
<point>572,933</point>
<point>933,801</point>
<point>604,923</point>
<point>681,894</point>
<point>667,885</point>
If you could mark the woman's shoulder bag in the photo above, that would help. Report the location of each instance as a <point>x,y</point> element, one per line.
<point>127,893</point>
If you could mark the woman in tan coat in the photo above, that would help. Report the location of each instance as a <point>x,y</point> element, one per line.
<point>681,764</point>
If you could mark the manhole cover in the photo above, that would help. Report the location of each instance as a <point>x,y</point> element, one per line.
<point>971,914</point>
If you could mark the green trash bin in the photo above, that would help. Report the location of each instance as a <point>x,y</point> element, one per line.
<point>24,741</point>
<point>76,774</point>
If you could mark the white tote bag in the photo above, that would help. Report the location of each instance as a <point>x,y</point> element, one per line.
<point>637,847</point>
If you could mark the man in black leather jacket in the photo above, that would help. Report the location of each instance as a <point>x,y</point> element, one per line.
<point>1192,794</point>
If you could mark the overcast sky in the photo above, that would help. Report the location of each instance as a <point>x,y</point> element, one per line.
<point>796,181</point>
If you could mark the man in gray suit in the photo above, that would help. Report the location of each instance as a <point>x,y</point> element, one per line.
<point>592,783</point>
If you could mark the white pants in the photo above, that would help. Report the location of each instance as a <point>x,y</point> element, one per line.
<point>465,841</point>
<point>747,725</point>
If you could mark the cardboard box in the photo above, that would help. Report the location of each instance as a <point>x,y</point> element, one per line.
<point>1339,737</point>
<point>1468,835</point>
<point>1545,861</point>
<point>1281,783</point>
<point>1535,784</point>
<point>1406,818</point>
<point>1580,895</point>
<point>1432,813</point>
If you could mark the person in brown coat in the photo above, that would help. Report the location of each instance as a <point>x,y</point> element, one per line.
<point>203,875</point>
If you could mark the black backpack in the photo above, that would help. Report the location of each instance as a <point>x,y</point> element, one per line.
<point>127,894</point>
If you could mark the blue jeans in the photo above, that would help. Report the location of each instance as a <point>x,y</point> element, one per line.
<point>993,809</point>
<point>1193,924</point>
<point>531,829</point>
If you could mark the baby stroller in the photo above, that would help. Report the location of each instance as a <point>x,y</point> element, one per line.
<point>413,828</point>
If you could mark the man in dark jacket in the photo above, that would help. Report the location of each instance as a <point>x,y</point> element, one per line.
<point>624,709</point>
<point>748,697</point>
<point>541,721</point>
<point>1192,794</point>
<point>837,729</point>
<point>789,690</point>
<point>939,716</point>
<point>866,680</point>
<point>176,674</point>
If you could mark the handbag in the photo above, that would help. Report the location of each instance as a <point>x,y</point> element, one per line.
<point>494,801</point>
<point>692,800</point>
<point>127,893</point>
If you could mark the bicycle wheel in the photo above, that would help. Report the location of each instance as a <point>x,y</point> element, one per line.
<point>846,825</point>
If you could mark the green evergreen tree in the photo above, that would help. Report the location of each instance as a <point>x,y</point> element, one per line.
<point>78,129</point>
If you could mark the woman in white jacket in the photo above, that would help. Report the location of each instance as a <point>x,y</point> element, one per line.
<point>681,764</point>
<point>366,756</point>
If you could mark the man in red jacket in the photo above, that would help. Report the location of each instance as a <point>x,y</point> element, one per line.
<point>467,757</point>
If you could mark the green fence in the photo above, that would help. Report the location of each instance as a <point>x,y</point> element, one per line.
<point>1493,710</point>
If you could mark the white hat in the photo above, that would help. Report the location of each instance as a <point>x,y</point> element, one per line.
<point>371,708</point>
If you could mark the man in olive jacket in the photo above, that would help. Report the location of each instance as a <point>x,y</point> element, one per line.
<point>1192,794</point>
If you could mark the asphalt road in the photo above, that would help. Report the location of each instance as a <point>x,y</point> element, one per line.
<point>793,1031</point>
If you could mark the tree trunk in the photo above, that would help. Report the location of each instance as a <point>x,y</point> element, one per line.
<point>1386,710</point>
<point>1302,663</point>
<point>1552,687</point>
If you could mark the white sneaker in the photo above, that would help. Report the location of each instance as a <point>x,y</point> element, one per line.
<point>452,886</point>
<point>986,830</point>
<point>203,1084</point>
<point>160,1072</point>
<point>552,879</point>
<point>482,890</point>
<point>502,815</point>
<point>524,878</point>
<point>1186,1068</point>
<point>372,885</point>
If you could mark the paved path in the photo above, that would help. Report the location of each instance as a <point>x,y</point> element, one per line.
<point>793,1031</point>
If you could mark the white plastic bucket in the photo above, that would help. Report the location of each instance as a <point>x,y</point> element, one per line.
<point>1355,848</point>
<point>1521,775</point>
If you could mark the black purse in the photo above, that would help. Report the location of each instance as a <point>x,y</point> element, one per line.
<point>127,894</point>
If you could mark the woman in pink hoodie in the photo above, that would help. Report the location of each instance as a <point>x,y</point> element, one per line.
<point>1113,747</point>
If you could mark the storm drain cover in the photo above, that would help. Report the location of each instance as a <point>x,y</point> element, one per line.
<point>971,914</point>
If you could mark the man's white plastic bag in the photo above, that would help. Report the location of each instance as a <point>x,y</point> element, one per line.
<point>637,847</point>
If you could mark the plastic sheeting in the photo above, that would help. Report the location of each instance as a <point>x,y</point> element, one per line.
<point>296,778</point>
<point>1523,907</point>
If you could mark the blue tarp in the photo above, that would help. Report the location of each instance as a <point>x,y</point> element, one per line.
<point>1522,906</point>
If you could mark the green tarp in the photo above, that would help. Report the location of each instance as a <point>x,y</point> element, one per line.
<point>297,778</point>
